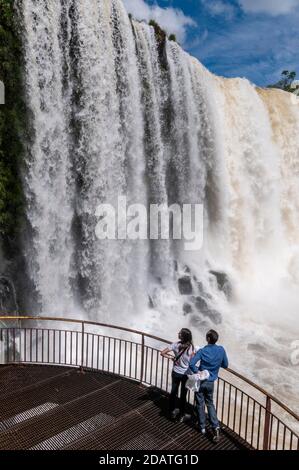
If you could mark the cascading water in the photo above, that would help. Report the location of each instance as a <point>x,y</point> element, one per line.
<point>49,180</point>
<point>109,159</point>
<point>115,113</point>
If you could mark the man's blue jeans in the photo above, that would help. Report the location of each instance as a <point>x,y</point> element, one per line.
<point>205,397</point>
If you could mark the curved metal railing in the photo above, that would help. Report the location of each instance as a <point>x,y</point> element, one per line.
<point>255,415</point>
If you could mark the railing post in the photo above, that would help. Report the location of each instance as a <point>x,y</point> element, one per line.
<point>142,359</point>
<point>266,442</point>
<point>9,353</point>
<point>7,346</point>
<point>82,350</point>
<point>14,344</point>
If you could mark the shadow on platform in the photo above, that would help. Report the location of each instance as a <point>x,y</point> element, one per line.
<point>53,407</point>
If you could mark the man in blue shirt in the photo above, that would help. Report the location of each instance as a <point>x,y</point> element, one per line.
<point>211,358</point>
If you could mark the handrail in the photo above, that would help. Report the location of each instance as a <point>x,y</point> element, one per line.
<point>265,432</point>
<point>262,390</point>
<point>87,322</point>
<point>157,338</point>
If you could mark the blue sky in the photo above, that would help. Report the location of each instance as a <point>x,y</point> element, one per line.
<point>256,39</point>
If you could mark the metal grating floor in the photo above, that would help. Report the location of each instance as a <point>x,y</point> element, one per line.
<point>52,407</point>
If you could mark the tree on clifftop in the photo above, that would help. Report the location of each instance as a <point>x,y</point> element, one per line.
<point>287,82</point>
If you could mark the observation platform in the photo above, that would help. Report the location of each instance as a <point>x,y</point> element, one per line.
<point>46,407</point>
<point>75,384</point>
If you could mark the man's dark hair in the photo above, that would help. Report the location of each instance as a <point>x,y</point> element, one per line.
<point>212,337</point>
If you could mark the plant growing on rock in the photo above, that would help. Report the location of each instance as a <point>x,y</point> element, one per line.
<point>12,123</point>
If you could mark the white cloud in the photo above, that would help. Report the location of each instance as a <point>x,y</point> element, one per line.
<point>272,7</point>
<point>218,7</point>
<point>173,20</point>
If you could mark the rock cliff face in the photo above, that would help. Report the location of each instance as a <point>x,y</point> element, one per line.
<point>12,138</point>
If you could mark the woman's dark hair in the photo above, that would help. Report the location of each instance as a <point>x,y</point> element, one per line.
<point>212,337</point>
<point>186,338</point>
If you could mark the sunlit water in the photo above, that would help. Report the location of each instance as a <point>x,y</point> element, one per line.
<point>111,115</point>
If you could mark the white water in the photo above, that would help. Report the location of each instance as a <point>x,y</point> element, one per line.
<point>49,180</point>
<point>108,119</point>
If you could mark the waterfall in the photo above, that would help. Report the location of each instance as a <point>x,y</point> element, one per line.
<point>48,179</point>
<point>115,112</point>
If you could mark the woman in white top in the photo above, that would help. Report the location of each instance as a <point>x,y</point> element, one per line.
<point>183,352</point>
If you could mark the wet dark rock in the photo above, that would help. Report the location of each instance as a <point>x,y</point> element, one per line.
<point>283,361</point>
<point>256,347</point>
<point>161,43</point>
<point>223,283</point>
<point>202,291</point>
<point>201,304</point>
<point>203,308</point>
<point>187,308</point>
<point>185,285</point>
<point>214,316</point>
<point>199,322</point>
<point>200,287</point>
<point>150,302</point>
<point>8,304</point>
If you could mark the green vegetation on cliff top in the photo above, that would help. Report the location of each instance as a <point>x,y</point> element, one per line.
<point>12,124</point>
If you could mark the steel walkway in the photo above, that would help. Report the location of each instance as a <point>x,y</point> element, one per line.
<point>53,407</point>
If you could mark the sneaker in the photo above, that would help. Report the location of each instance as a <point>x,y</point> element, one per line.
<point>216,435</point>
<point>174,414</point>
<point>202,431</point>
<point>185,417</point>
